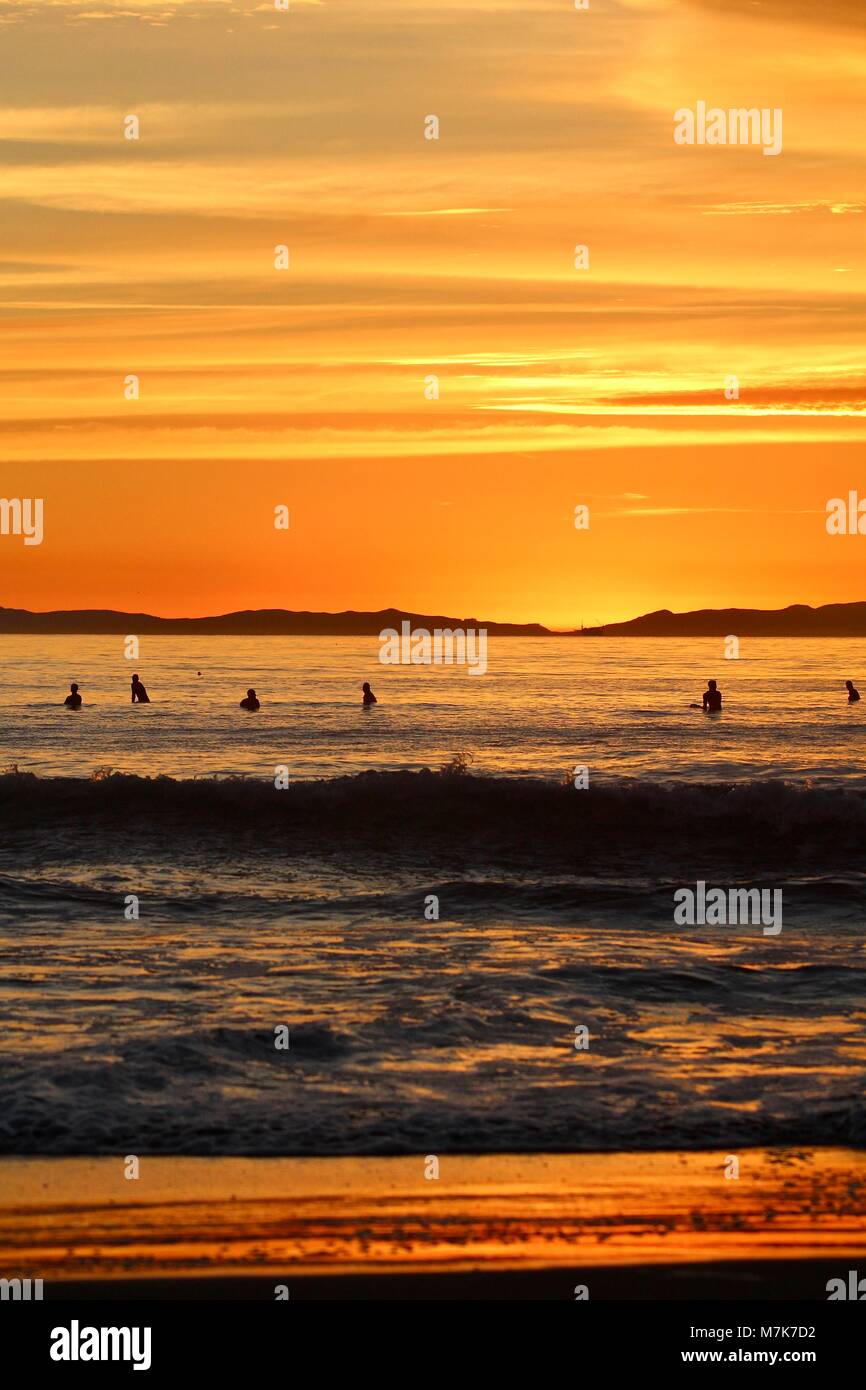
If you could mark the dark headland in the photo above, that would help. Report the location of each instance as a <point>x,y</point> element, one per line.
<point>798,620</point>
<point>252,622</point>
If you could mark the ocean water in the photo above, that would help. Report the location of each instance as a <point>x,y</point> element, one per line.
<point>544,705</point>
<point>311,907</point>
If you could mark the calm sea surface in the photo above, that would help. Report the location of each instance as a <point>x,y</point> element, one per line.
<point>619,706</point>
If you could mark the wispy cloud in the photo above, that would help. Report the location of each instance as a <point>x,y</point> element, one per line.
<point>821,205</point>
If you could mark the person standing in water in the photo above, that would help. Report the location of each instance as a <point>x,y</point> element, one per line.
<point>853,695</point>
<point>712,697</point>
<point>251,702</point>
<point>73,700</point>
<point>369,697</point>
<point>139,694</point>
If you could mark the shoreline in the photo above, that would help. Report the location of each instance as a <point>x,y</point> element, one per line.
<point>626,1225</point>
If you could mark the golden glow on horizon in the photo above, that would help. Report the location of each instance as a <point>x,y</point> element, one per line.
<point>410,258</point>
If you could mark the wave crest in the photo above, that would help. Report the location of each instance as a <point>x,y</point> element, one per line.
<point>453,805</point>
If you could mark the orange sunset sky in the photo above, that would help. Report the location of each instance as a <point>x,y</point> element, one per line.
<point>412,257</point>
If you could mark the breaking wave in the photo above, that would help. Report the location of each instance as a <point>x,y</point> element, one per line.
<point>449,804</point>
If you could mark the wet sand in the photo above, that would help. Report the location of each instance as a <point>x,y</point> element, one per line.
<point>659,1225</point>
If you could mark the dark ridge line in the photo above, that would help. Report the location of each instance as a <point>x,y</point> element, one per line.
<point>797,620</point>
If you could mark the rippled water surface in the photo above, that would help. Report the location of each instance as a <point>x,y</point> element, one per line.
<point>431,941</point>
<point>620,705</point>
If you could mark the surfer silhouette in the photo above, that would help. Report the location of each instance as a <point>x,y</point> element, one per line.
<point>251,702</point>
<point>712,697</point>
<point>369,697</point>
<point>853,695</point>
<point>73,700</point>
<point>139,694</point>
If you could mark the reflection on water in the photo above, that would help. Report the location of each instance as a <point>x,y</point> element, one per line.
<point>619,705</point>
<point>80,1219</point>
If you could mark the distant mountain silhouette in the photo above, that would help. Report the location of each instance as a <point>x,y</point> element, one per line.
<point>798,620</point>
<point>261,622</point>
